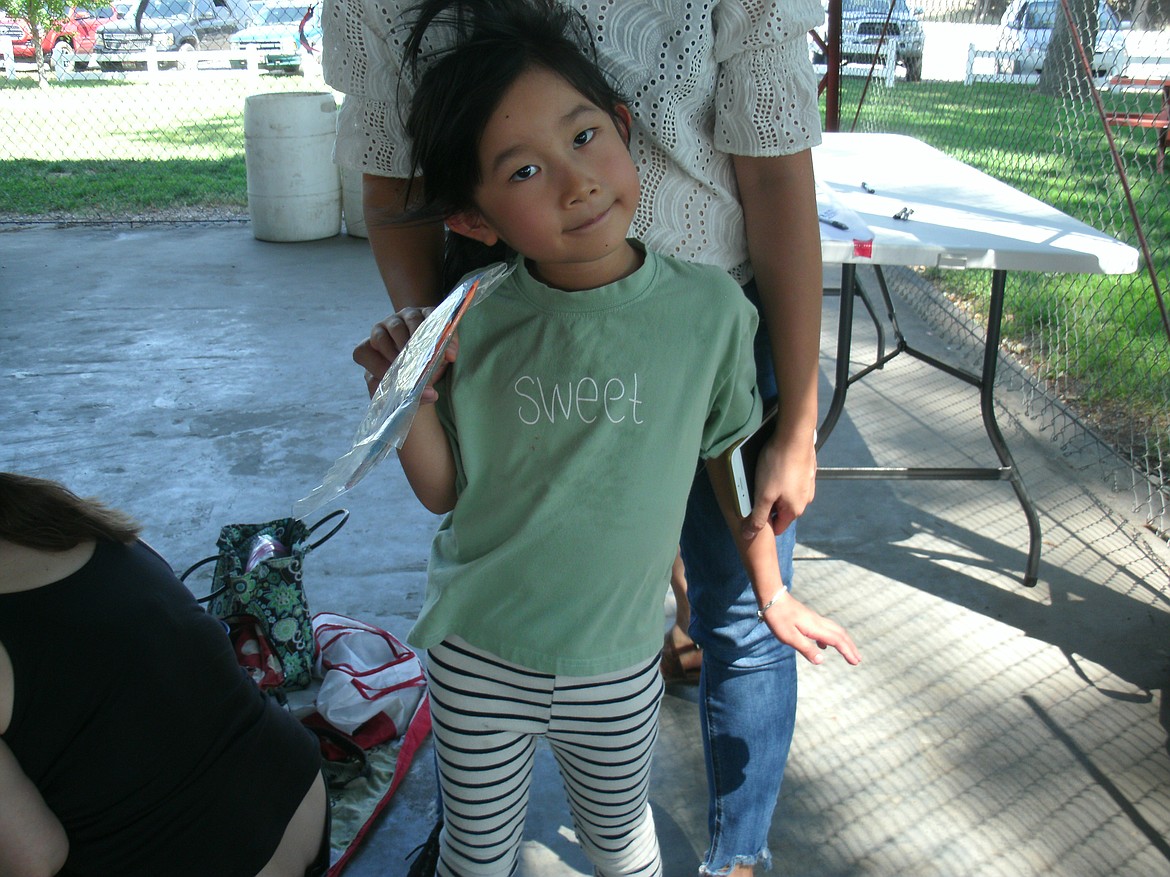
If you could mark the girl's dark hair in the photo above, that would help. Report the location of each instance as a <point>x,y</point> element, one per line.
<point>488,44</point>
<point>46,515</point>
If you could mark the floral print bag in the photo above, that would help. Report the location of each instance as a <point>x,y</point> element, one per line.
<point>258,592</point>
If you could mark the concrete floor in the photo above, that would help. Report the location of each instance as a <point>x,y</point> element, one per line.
<point>195,377</point>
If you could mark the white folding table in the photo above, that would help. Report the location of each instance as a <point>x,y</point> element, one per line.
<point>954,217</point>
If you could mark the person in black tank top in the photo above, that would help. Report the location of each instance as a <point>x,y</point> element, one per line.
<point>131,742</point>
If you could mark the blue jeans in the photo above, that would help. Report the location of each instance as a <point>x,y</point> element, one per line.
<point>747,693</point>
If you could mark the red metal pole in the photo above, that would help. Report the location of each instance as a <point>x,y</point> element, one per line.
<point>833,74</point>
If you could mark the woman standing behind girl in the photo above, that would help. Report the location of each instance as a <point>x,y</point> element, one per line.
<point>562,443</point>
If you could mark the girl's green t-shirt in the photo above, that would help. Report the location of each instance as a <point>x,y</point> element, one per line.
<point>577,420</point>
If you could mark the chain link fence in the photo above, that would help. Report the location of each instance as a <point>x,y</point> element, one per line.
<point>118,126</point>
<point>1001,85</point>
<point>998,84</point>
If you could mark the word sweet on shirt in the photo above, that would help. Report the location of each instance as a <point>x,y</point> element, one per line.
<point>586,400</point>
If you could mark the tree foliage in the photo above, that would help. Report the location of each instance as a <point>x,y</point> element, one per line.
<point>41,15</point>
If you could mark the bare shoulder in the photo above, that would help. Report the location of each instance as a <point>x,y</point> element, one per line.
<point>23,568</point>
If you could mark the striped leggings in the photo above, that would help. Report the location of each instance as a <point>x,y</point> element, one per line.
<point>487,716</point>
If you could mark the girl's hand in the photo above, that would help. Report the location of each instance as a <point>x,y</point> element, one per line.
<point>387,340</point>
<point>806,631</point>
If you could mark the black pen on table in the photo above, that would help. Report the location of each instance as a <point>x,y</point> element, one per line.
<point>835,223</point>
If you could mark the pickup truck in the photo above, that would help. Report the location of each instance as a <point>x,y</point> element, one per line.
<point>75,31</point>
<point>172,26</point>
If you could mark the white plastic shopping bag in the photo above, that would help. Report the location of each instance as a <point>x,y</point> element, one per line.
<point>364,671</point>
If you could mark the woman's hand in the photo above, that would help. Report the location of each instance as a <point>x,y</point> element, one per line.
<point>387,340</point>
<point>786,481</point>
<point>779,193</point>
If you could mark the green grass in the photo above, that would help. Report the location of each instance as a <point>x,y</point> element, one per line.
<point>107,150</point>
<point>113,189</point>
<point>1101,337</point>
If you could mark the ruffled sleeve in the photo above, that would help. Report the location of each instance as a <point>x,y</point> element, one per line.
<point>766,94</point>
<point>362,58</point>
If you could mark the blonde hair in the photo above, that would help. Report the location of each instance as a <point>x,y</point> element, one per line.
<point>43,514</point>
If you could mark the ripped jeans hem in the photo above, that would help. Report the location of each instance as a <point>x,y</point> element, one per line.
<point>763,856</point>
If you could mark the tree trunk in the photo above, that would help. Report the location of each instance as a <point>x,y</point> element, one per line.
<point>1142,12</point>
<point>34,30</point>
<point>1064,74</point>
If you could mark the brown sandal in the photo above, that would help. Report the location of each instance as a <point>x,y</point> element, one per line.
<point>673,668</point>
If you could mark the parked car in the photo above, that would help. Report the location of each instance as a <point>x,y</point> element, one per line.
<point>75,33</point>
<point>276,31</point>
<point>1026,30</point>
<point>15,30</point>
<point>173,26</point>
<point>861,29</point>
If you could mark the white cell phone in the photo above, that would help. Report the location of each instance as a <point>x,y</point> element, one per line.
<point>743,456</point>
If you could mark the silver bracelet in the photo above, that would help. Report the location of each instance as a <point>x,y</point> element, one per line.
<point>760,612</point>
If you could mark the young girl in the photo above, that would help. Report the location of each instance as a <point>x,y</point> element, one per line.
<point>562,443</point>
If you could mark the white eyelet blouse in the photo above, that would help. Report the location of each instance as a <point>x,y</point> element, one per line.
<point>705,80</point>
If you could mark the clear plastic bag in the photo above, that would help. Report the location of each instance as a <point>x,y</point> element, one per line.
<point>394,403</point>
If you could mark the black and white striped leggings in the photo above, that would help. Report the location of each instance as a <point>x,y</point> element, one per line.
<point>487,716</point>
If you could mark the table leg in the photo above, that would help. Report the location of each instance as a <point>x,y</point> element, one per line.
<point>985,382</point>
<point>844,344</point>
<point>987,404</point>
<point>878,327</point>
<point>851,287</point>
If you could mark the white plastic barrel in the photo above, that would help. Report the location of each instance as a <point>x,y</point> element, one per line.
<point>351,203</point>
<point>294,188</point>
